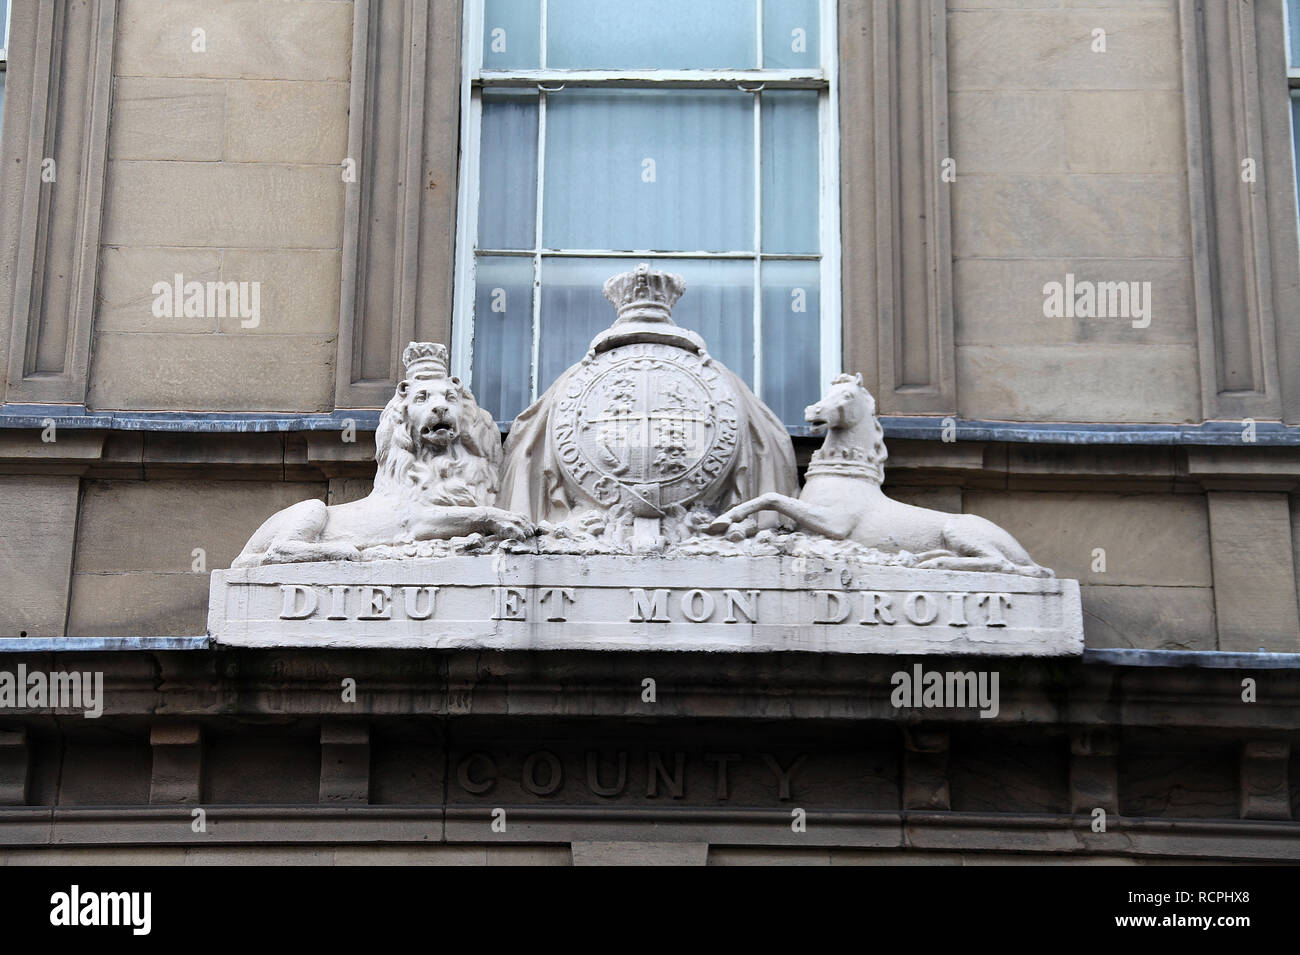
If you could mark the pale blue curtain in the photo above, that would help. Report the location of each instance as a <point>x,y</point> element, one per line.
<point>507,204</point>
<point>783,47</point>
<point>1293,16</point>
<point>791,337</point>
<point>1295,134</point>
<point>790,171</point>
<point>662,34</point>
<point>719,304</point>
<point>512,34</point>
<point>662,170</point>
<point>503,321</point>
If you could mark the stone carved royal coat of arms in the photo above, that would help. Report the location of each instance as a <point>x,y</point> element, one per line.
<point>648,500</point>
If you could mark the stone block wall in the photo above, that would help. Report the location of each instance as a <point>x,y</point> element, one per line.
<point>1069,160</point>
<point>145,549</point>
<point>224,164</point>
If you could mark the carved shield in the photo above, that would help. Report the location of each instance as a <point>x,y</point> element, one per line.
<point>647,425</point>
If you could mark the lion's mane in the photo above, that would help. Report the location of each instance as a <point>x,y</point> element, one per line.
<point>467,473</point>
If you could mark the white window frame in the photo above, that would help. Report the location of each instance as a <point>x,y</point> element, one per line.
<point>1292,69</point>
<point>475,79</point>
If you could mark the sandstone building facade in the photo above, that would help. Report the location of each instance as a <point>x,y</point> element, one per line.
<point>1058,239</point>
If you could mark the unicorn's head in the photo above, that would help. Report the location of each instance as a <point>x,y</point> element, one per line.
<point>847,415</point>
<point>843,406</point>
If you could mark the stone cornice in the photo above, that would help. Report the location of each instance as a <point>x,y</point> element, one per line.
<point>240,684</point>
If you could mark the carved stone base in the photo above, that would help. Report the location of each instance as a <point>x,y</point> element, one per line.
<point>629,602</point>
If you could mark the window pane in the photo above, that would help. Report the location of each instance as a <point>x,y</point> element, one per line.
<point>665,34</point>
<point>649,169</point>
<point>719,304</point>
<point>791,171</point>
<point>508,171</point>
<point>791,338</point>
<point>512,33</point>
<point>503,322</point>
<point>1293,16</point>
<point>1295,136</point>
<point>790,34</point>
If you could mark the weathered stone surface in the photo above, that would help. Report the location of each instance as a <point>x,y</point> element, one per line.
<point>640,853</point>
<point>1004,133</point>
<point>259,855</point>
<point>1265,788</point>
<point>1113,131</point>
<point>346,490</point>
<point>167,118</point>
<point>453,855</point>
<point>1031,49</point>
<point>1150,618</point>
<point>286,122</point>
<point>298,39</point>
<point>344,763</point>
<point>39,517</point>
<point>1178,781</point>
<point>134,572</point>
<point>50,449</point>
<point>225,205</point>
<point>1104,217</point>
<point>1103,468</point>
<point>85,855</point>
<point>1147,383</point>
<point>1000,302</point>
<point>299,290</point>
<point>643,603</point>
<point>1254,577</point>
<point>1004,4</point>
<point>15,767</point>
<point>1150,539</point>
<point>150,371</point>
<point>254,771</point>
<point>156,525</point>
<point>946,499</point>
<point>1094,772</point>
<point>131,604</point>
<point>104,772</point>
<point>177,763</point>
<point>925,769</point>
<point>1007,772</point>
<point>127,277</point>
<point>254,455</point>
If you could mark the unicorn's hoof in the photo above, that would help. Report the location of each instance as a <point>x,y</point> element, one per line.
<point>718,527</point>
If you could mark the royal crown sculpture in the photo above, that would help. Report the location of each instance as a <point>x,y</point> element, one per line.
<point>647,500</point>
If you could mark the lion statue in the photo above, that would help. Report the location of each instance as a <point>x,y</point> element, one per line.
<point>439,457</point>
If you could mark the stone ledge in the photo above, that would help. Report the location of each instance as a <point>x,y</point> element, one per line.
<point>644,603</point>
<point>1028,833</point>
<point>226,687</point>
<point>918,427</point>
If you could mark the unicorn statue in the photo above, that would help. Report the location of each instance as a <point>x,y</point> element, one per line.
<point>842,499</point>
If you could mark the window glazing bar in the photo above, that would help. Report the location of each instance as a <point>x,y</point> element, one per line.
<point>654,79</point>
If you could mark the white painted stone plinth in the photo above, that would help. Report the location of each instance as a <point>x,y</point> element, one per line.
<point>615,602</point>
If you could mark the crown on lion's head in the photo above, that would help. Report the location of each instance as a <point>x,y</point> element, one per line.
<point>434,442</point>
